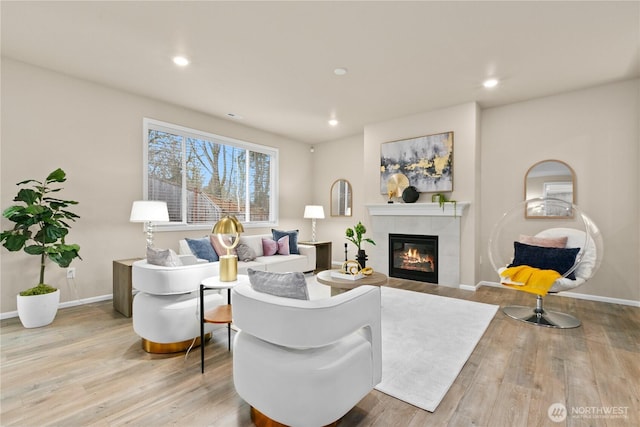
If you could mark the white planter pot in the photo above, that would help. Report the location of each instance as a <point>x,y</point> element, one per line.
<point>35,311</point>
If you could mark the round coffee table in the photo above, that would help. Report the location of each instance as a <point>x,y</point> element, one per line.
<point>339,285</point>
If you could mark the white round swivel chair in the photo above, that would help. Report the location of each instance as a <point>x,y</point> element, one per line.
<point>166,310</point>
<point>580,231</point>
<point>305,363</point>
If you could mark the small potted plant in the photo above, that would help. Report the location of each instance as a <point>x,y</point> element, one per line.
<point>40,227</point>
<point>441,199</point>
<point>354,235</point>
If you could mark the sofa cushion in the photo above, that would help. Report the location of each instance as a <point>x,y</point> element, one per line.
<point>217,246</point>
<point>558,259</point>
<point>284,263</point>
<point>269,247</point>
<point>243,267</point>
<point>203,249</point>
<point>163,257</point>
<point>288,285</point>
<point>245,252</point>
<point>293,239</point>
<point>254,242</point>
<point>283,246</point>
<point>547,242</point>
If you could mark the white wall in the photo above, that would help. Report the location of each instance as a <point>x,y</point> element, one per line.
<point>595,131</point>
<point>340,159</point>
<point>50,120</point>
<point>463,121</point>
<point>94,133</point>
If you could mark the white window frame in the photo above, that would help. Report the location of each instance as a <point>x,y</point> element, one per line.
<point>152,124</point>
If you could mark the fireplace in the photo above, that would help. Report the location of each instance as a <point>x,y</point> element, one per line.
<point>413,257</point>
<point>425,219</point>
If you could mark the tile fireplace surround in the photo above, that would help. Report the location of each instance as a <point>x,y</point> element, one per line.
<point>418,218</point>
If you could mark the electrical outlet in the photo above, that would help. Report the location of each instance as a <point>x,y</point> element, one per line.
<point>71,273</point>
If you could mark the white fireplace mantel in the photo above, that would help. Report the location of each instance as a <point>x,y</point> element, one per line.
<point>421,218</point>
<point>417,209</point>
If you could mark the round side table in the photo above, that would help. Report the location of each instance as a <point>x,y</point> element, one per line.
<point>220,314</point>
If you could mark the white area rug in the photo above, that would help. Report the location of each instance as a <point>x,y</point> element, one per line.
<point>426,340</point>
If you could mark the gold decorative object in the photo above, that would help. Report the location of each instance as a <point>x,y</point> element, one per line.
<point>228,225</point>
<point>353,267</point>
<point>367,271</point>
<point>396,185</point>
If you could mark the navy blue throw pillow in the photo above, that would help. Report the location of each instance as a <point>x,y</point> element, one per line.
<point>558,259</point>
<point>293,239</point>
<point>203,249</point>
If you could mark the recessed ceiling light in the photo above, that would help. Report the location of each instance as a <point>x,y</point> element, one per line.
<point>181,61</point>
<point>234,116</point>
<point>333,122</point>
<point>490,83</point>
<point>340,71</point>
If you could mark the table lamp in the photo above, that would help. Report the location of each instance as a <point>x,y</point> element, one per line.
<point>228,225</point>
<point>314,212</point>
<point>148,212</point>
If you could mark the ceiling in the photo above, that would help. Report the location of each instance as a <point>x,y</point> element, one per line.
<point>272,62</point>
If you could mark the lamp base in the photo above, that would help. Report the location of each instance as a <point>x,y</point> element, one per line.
<point>228,268</point>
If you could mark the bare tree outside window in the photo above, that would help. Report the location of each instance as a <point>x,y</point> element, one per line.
<point>203,177</point>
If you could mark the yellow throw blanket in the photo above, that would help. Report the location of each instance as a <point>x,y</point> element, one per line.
<point>530,279</point>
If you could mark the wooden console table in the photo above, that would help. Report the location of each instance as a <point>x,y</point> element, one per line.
<point>122,286</point>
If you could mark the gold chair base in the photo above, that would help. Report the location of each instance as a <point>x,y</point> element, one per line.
<point>261,420</point>
<point>171,347</point>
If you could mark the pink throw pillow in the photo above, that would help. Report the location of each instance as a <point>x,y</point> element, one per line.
<point>269,247</point>
<point>217,246</point>
<point>283,245</point>
<point>545,242</point>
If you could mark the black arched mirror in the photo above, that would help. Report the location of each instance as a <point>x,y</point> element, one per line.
<point>341,195</point>
<point>549,179</point>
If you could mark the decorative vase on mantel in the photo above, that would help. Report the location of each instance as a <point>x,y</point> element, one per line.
<point>362,258</point>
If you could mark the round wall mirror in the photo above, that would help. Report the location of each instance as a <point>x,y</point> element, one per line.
<point>549,179</point>
<point>341,195</point>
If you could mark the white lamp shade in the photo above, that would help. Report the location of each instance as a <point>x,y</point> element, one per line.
<point>314,211</point>
<point>149,211</point>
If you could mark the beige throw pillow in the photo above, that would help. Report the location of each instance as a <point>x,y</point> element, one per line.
<point>545,242</point>
<point>163,257</point>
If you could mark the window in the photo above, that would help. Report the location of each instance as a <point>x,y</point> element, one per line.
<point>203,176</point>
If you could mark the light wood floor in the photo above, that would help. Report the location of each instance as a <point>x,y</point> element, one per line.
<point>88,368</point>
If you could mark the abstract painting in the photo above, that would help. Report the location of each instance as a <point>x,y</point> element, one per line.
<point>427,161</point>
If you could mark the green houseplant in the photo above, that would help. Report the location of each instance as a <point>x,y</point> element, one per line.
<point>441,199</point>
<point>41,224</point>
<point>354,235</point>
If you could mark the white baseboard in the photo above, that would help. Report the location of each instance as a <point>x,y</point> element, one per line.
<point>492,284</point>
<point>66,304</point>
<point>610,300</point>
<point>576,295</point>
<point>83,301</point>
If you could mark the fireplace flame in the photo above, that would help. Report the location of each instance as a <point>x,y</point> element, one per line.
<point>412,257</point>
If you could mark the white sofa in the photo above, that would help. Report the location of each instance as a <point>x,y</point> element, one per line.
<point>303,262</point>
<point>166,311</point>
